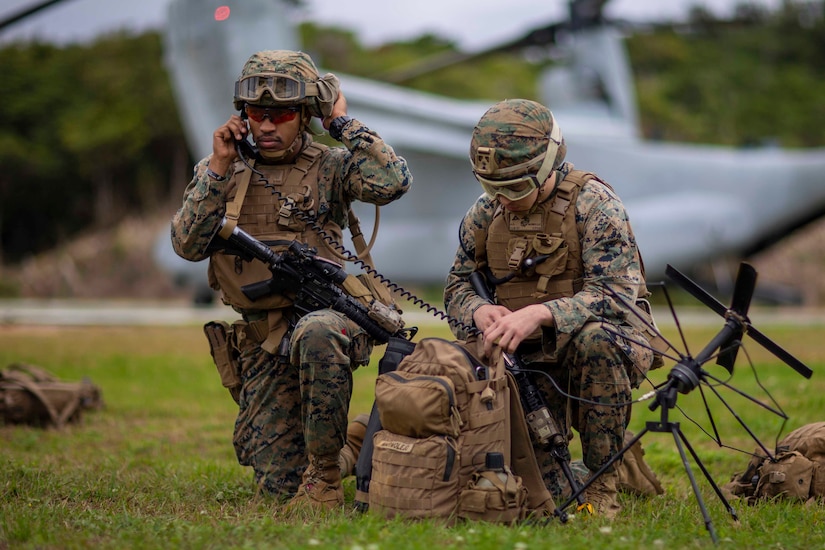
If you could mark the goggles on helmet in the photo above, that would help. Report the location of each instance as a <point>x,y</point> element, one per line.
<point>520,187</point>
<point>513,190</point>
<point>282,88</point>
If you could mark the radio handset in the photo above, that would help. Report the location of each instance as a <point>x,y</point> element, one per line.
<point>245,149</point>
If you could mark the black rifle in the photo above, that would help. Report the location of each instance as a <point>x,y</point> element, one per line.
<point>543,427</point>
<point>313,283</point>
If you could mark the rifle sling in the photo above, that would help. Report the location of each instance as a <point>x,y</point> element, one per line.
<point>233,208</point>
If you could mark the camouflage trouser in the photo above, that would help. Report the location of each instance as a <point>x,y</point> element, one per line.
<point>289,409</point>
<point>594,368</point>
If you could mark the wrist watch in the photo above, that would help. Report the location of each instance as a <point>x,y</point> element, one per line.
<point>336,127</point>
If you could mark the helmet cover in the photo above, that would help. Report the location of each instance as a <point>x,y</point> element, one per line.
<point>512,138</point>
<point>297,69</point>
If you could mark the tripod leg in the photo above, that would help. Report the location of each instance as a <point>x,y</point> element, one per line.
<point>580,491</point>
<point>678,438</point>
<point>563,460</point>
<point>698,462</point>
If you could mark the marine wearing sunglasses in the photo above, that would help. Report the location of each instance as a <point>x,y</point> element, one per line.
<point>276,115</point>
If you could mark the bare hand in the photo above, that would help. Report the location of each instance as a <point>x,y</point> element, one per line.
<point>488,314</point>
<point>510,330</point>
<point>223,143</point>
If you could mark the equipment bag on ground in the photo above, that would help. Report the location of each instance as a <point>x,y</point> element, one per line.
<point>446,450</point>
<point>31,395</point>
<point>797,471</point>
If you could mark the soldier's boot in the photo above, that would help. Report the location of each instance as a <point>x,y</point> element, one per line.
<point>603,495</point>
<point>635,475</point>
<point>321,486</point>
<point>356,431</point>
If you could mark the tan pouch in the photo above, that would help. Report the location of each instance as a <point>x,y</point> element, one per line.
<point>789,477</point>
<point>225,355</point>
<point>417,405</point>
<point>497,497</point>
<point>553,246</point>
<point>414,478</point>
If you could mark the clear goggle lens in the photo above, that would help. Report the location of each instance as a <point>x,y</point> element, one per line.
<point>518,188</point>
<point>280,87</point>
<point>514,190</point>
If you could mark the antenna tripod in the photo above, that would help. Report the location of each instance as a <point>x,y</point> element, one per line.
<point>687,374</point>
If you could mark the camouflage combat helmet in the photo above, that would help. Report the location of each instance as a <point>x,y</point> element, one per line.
<point>285,77</point>
<point>516,140</point>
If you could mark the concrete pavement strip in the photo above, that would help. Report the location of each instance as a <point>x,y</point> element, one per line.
<point>136,312</point>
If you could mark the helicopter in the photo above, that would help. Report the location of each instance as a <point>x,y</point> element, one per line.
<point>690,205</point>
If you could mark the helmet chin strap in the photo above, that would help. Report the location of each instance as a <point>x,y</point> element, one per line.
<point>274,156</point>
<point>541,187</point>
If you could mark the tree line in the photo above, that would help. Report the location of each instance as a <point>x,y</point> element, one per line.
<point>90,133</point>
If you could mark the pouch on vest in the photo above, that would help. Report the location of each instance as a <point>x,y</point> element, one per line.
<point>552,255</point>
<point>31,395</point>
<point>225,355</point>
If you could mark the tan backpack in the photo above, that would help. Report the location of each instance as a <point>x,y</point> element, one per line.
<point>447,417</point>
<point>31,395</point>
<point>797,471</point>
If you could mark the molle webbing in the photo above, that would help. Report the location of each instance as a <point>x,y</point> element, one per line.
<point>261,214</point>
<point>549,230</point>
<point>289,186</point>
<point>294,174</point>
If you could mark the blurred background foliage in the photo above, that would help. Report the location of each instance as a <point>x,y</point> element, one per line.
<point>90,133</point>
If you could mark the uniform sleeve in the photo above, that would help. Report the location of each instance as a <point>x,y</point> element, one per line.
<point>460,299</point>
<point>610,259</point>
<point>198,219</point>
<point>369,169</point>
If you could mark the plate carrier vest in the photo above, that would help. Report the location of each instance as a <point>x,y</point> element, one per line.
<point>252,206</point>
<point>550,229</point>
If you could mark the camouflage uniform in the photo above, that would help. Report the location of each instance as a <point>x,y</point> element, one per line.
<point>583,358</point>
<point>296,404</point>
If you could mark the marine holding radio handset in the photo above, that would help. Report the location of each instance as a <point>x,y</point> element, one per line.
<point>293,380</point>
<point>266,105</point>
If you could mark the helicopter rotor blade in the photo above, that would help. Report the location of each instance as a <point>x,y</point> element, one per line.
<point>26,12</point>
<point>582,14</point>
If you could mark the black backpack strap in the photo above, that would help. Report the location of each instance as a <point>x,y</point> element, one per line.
<point>397,350</point>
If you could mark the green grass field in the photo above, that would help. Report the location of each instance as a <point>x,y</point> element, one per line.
<point>156,468</point>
